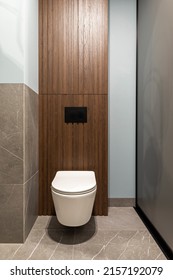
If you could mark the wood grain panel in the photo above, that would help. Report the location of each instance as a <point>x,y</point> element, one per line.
<point>59,44</point>
<point>96,147</point>
<point>73,43</point>
<point>43,46</point>
<point>43,155</point>
<point>78,146</point>
<point>93,32</point>
<point>73,72</point>
<point>41,74</point>
<point>65,141</point>
<point>65,146</point>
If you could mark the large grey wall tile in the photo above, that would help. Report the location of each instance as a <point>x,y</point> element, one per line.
<point>18,161</point>
<point>11,213</point>
<point>11,118</point>
<point>30,133</point>
<point>31,203</point>
<point>11,168</point>
<point>11,134</point>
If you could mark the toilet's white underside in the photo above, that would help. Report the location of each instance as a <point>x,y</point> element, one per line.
<point>73,210</point>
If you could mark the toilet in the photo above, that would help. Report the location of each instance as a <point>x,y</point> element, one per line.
<point>73,194</point>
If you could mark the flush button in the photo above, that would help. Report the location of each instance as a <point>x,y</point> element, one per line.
<point>75,114</point>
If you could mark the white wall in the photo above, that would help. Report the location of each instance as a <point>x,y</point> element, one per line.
<point>31,44</point>
<point>122,94</point>
<point>19,42</point>
<point>11,41</point>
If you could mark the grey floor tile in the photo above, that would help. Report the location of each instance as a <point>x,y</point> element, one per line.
<point>52,239</point>
<point>140,253</point>
<point>30,244</point>
<point>41,222</point>
<point>114,247</point>
<point>120,218</point>
<point>90,238</point>
<point>8,250</point>
<point>46,246</point>
<point>86,252</point>
<point>62,252</point>
<point>120,235</point>
<point>161,256</point>
<point>140,246</point>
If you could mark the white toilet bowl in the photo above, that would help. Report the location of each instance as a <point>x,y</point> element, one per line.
<point>73,195</point>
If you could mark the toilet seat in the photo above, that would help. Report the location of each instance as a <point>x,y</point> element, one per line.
<point>74,182</point>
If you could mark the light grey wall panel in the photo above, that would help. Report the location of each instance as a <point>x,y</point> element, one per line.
<point>155,114</point>
<point>122,95</point>
<point>30,108</point>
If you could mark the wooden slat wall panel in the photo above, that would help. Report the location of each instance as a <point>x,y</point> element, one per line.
<point>93,51</point>
<point>74,47</point>
<point>105,50</point>
<point>73,72</point>
<point>95,147</point>
<point>40,46</point>
<point>59,60</point>
<point>79,146</point>
<point>43,46</point>
<point>50,44</point>
<point>65,140</point>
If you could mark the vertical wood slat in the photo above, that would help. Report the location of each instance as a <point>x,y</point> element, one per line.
<point>85,54</point>
<point>43,155</point>
<point>43,71</point>
<point>40,46</point>
<point>81,48</point>
<point>105,49</point>
<point>50,44</point>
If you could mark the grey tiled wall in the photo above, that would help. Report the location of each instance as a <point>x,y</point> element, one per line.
<point>18,161</point>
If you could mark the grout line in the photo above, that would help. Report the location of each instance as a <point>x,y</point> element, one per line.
<point>56,247</point>
<point>11,153</point>
<point>159,255</point>
<point>37,245</point>
<point>31,177</point>
<point>16,251</point>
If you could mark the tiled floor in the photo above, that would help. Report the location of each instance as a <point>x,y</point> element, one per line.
<point>121,235</point>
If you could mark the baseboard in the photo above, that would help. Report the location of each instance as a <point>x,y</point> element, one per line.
<point>121,202</point>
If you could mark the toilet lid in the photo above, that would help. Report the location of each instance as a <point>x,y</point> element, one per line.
<point>74,182</point>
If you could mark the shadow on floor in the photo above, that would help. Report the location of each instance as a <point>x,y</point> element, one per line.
<point>71,235</point>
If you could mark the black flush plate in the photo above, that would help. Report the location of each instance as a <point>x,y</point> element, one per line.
<point>75,114</point>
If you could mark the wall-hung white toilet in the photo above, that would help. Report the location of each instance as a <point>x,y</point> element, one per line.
<point>73,195</point>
